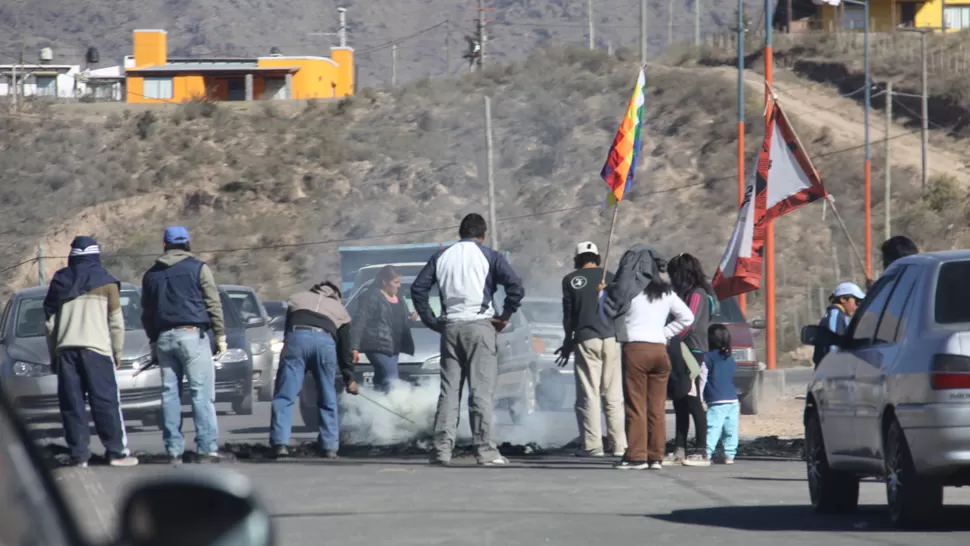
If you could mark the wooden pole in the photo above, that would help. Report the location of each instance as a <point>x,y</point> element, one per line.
<point>609,240</point>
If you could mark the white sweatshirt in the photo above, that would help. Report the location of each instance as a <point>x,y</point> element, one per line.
<point>646,320</point>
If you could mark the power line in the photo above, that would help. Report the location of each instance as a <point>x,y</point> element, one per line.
<point>403,38</point>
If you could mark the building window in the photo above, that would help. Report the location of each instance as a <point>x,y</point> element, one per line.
<point>957,17</point>
<point>854,17</point>
<point>46,86</point>
<point>158,88</point>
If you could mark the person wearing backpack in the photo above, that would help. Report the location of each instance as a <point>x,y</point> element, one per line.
<point>690,284</point>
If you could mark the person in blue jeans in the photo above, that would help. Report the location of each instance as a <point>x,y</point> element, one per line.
<point>316,338</point>
<point>381,328</point>
<point>717,386</point>
<point>180,309</point>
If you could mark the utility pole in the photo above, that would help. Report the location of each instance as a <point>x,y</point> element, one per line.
<point>670,22</point>
<point>697,24</point>
<point>13,76</point>
<point>643,31</point>
<point>482,35</point>
<point>887,228</point>
<point>393,65</point>
<point>925,114</point>
<point>589,16</point>
<point>448,47</point>
<point>41,272</point>
<point>493,223</point>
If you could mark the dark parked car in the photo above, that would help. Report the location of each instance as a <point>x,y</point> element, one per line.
<point>256,320</point>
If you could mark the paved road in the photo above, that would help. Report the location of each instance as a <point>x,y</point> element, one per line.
<point>562,501</point>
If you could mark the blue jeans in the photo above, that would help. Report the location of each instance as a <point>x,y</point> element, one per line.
<point>723,418</point>
<point>317,352</point>
<point>186,353</point>
<point>385,370</point>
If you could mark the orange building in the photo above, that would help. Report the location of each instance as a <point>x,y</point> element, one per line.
<point>156,78</point>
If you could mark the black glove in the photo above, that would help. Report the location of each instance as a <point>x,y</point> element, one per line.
<point>564,353</point>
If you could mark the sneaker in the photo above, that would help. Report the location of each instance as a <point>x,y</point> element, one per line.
<point>632,465</point>
<point>590,453</point>
<point>728,461</point>
<point>125,461</point>
<point>215,457</point>
<point>175,460</point>
<point>281,452</point>
<point>496,461</point>
<point>78,464</point>
<point>674,459</point>
<point>330,454</point>
<point>697,460</point>
<point>656,465</point>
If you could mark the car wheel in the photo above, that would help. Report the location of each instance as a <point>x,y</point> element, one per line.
<point>521,409</point>
<point>831,491</point>
<point>749,400</point>
<point>243,406</point>
<point>913,499</point>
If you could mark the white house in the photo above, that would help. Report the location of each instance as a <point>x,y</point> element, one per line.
<point>63,81</point>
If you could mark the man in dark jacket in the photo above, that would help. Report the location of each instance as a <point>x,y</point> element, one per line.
<point>85,332</point>
<point>317,337</point>
<point>467,274</point>
<point>180,309</point>
<point>843,302</point>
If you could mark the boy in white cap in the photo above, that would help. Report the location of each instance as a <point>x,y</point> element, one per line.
<point>599,382</point>
<point>843,303</point>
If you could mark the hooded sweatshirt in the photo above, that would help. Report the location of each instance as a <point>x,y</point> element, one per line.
<point>83,305</point>
<point>637,267</point>
<point>320,307</point>
<point>162,299</point>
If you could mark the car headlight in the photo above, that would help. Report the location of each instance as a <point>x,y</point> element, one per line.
<point>234,355</point>
<point>433,363</point>
<point>276,346</point>
<point>259,347</point>
<point>744,354</point>
<point>136,363</point>
<point>31,369</point>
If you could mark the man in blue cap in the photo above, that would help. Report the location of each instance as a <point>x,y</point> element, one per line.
<point>85,336</point>
<point>180,306</point>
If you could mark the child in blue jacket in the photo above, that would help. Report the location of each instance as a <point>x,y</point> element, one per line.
<point>720,396</point>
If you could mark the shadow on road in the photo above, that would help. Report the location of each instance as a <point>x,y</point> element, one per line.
<point>803,518</point>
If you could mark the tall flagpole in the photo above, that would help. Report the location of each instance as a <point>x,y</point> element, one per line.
<point>609,241</point>
<point>770,228</point>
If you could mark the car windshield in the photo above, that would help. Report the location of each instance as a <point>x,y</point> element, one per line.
<point>131,309</point>
<point>952,291</point>
<point>229,312</point>
<point>246,303</point>
<point>30,314</point>
<point>728,312</point>
<point>542,312</point>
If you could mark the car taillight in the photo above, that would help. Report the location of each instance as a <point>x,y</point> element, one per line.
<point>950,372</point>
<point>538,345</point>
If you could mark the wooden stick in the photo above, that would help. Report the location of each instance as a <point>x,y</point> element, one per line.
<point>609,241</point>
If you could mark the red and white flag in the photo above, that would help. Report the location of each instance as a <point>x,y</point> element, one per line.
<point>784,180</point>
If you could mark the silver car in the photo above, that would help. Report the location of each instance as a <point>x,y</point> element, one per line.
<point>261,341</point>
<point>892,398</point>
<point>556,386</point>
<point>25,368</point>
<point>516,385</point>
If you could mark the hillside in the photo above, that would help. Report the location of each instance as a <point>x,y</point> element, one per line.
<point>274,191</point>
<point>252,27</point>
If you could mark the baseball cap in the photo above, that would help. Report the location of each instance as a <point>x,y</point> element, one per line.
<point>848,289</point>
<point>587,246</point>
<point>176,235</point>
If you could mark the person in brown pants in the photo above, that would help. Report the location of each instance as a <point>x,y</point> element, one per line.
<point>646,369</point>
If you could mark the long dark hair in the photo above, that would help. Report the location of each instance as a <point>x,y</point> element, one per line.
<point>687,274</point>
<point>659,286</point>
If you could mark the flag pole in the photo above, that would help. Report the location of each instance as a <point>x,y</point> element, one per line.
<point>855,249</point>
<point>609,241</point>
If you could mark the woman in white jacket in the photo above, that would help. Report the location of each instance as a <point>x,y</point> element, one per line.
<point>643,331</point>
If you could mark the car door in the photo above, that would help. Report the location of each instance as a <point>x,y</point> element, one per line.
<point>840,370</point>
<point>876,361</point>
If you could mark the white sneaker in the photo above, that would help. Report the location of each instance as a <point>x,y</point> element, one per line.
<point>656,465</point>
<point>631,465</point>
<point>497,461</point>
<point>126,461</point>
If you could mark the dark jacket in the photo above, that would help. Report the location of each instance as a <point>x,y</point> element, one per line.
<point>380,326</point>
<point>638,266</point>
<point>180,290</point>
<point>320,307</point>
<point>702,305</point>
<point>719,386</point>
<point>836,320</point>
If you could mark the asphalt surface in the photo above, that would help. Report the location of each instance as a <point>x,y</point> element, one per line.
<point>548,500</point>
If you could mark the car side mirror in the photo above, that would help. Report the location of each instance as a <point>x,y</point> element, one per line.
<point>254,320</point>
<point>757,324</point>
<point>195,510</point>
